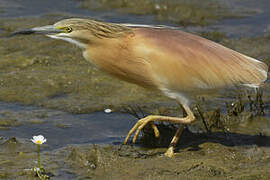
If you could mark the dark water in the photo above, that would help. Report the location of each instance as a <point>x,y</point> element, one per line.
<point>61,128</point>
<point>252,25</point>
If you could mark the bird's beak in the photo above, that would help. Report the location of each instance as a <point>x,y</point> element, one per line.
<point>50,29</point>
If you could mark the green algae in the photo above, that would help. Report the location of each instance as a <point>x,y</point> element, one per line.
<point>7,120</point>
<point>214,35</point>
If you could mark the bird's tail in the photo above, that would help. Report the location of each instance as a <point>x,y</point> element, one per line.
<point>260,70</point>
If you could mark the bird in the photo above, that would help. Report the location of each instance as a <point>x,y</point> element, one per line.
<point>166,59</point>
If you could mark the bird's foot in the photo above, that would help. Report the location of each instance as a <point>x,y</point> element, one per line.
<point>170,152</point>
<point>140,125</point>
<point>150,119</point>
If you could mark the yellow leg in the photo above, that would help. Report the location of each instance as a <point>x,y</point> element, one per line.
<point>151,118</point>
<point>170,150</point>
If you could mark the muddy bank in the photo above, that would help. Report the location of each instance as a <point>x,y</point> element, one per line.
<point>216,156</point>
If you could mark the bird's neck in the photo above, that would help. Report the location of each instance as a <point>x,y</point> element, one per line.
<point>106,51</point>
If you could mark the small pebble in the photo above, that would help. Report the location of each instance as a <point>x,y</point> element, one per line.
<point>107,110</point>
<point>157,6</point>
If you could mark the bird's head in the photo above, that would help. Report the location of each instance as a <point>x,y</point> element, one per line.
<point>81,32</point>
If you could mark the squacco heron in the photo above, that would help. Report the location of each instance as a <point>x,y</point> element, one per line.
<point>177,63</point>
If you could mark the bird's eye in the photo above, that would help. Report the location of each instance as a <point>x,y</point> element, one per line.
<point>68,29</point>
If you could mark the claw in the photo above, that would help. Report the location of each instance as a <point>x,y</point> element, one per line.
<point>156,131</point>
<point>139,126</point>
<point>132,130</point>
<point>136,135</point>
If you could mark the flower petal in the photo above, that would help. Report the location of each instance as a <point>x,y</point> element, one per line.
<point>38,139</point>
<point>34,137</point>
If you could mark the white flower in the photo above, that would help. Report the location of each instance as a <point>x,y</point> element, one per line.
<point>107,110</point>
<point>38,139</point>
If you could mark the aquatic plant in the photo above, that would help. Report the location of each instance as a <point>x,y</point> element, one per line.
<point>39,171</point>
<point>38,140</point>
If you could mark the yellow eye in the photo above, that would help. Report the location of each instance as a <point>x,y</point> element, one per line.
<point>68,29</point>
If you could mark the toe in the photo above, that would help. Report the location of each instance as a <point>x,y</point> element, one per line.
<point>170,152</point>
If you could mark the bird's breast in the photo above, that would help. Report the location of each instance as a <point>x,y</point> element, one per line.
<point>120,60</point>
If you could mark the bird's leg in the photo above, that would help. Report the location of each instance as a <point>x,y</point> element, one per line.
<point>151,118</point>
<point>170,150</point>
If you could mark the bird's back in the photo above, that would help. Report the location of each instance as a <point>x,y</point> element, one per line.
<point>185,62</point>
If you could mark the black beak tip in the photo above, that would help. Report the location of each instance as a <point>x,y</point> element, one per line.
<point>22,32</point>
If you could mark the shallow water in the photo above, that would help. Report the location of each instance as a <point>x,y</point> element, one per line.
<point>49,89</point>
<point>62,128</point>
<point>253,25</point>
